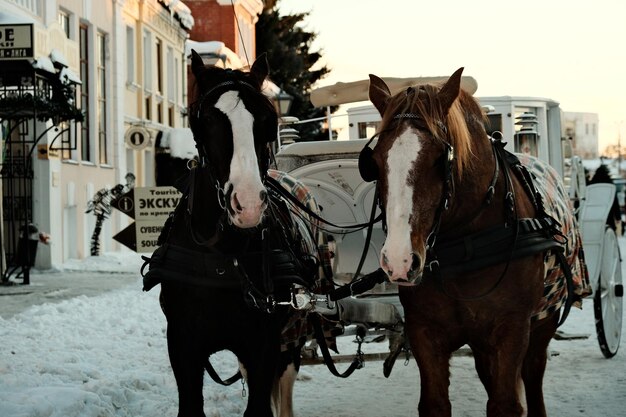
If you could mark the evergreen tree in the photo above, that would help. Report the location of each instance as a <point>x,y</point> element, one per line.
<point>287,46</point>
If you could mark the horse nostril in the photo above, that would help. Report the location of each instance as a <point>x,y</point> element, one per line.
<point>263,196</point>
<point>416,262</point>
<point>236,202</point>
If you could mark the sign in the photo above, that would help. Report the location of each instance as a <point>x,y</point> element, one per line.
<point>16,41</point>
<point>127,237</point>
<point>137,137</point>
<point>43,152</point>
<point>153,206</point>
<point>126,203</point>
<point>150,207</point>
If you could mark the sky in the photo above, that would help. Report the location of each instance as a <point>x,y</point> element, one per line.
<point>571,52</point>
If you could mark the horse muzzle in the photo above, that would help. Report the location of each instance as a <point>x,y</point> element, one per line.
<point>406,271</point>
<point>247,213</point>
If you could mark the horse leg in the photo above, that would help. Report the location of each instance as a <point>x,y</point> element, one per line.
<point>282,395</point>
<point>260,369</point>
<point>187,360</point>
<point>535,364</point>
<point>481,362</point>
<point>509,343</point>
<point>433,362</point>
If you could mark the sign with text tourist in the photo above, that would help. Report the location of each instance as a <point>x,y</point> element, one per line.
<point>153,206</point>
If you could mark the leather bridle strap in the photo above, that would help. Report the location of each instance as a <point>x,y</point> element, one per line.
<point>357,362</point>
<point>275,186</point>
<point>215,377</point>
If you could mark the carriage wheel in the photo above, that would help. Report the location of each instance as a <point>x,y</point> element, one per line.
<point>607,301</point>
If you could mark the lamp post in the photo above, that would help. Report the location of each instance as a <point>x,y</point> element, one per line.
<point>527,137</point>
<point>286,134</point>
<point>282,103</point>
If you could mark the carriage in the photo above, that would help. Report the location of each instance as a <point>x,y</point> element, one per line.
<point>238,261</point>
<point>529,124</point>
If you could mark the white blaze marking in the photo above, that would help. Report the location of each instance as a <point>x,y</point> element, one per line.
<point>244,168</point>
<point>400,159</point>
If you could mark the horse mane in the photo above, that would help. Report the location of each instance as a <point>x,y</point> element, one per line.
<point>464,120</point>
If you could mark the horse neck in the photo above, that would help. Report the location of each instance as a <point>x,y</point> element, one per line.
<point>198,215</point>
<point>468,211</point>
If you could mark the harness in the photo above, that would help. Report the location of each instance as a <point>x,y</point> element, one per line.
<point>285,272</point>
<point>503,243</point>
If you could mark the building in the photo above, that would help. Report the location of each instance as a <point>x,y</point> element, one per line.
<point>582,129</point>
<point>122,65</point>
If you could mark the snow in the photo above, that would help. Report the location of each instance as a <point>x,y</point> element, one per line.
<point>86,341</point>
<point>180,143</point>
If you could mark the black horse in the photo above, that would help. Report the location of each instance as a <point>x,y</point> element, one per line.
<point>229,254</point>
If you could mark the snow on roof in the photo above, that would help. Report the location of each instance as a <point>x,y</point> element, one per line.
<point>58,58</point>
<point>180,142</point>
<point>9,18</point>
<point>214,49</point>
<point>180,10</point>
<point>44,63</point>
<point>68,76</point>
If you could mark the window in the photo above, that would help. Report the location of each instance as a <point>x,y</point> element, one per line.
<point>171,81</point>
<point>159,65</point>
<point>170,116</point>
<point>64,21</point>
<point>101,96</point>
<point>175,95</point>
<point>147,59</point>
<point>64,140</point>
<point>130,55</point>
<point>82,93</point>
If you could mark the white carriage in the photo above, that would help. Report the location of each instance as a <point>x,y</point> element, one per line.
<point>528,124</point>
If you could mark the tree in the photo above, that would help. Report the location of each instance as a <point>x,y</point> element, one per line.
<point>288,46</point>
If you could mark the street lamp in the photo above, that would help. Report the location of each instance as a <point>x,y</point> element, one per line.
<point>282,103</point>
<point>527,137</point>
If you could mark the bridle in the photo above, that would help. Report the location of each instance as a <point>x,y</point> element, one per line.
<point>203,163</point>
<point>447,192</point>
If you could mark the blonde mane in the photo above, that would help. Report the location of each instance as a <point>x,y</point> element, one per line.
<point>463,121</point>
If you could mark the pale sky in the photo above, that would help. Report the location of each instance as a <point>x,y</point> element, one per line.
<point>573,52</point>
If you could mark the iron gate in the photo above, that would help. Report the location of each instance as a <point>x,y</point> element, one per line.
<point>29,99</point>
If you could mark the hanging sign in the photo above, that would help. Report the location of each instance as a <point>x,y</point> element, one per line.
<point>16,41</point>
<point>153,206</point>
<point>137,137</point>
<point>150,207</point>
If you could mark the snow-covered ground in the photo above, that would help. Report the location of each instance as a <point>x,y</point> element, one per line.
<point>99,350</point>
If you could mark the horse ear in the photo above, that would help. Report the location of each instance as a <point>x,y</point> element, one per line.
<point>450,90</point>
<point>379,93</point>
<point>197,65</point>
<point>260,69</point>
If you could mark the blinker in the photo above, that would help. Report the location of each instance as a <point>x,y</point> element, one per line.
<point>367,166</point>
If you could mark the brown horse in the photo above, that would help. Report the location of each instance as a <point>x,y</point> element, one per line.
<point>454,212</point>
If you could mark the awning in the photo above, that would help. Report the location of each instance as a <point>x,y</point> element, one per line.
<point>352,92</point>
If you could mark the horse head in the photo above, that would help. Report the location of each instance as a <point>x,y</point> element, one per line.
<point>423,146</point>
<point>233,123</point>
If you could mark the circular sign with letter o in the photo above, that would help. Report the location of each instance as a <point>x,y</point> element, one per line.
<point>137,137</point>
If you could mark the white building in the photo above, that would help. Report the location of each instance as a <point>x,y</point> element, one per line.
<point>127,59</point>
<point>582,128</point>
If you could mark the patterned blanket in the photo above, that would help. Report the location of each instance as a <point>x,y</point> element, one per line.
<point>558,205</point>
<point>313,241</point>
